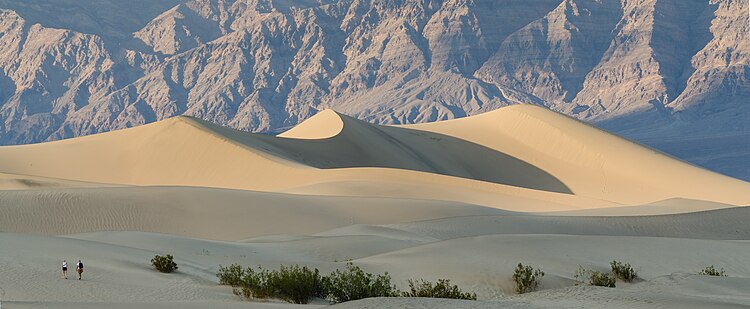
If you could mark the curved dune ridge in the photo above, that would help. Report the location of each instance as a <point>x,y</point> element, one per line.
<point>520,158</point>
<point>325,124</point>
<point>518,184</point>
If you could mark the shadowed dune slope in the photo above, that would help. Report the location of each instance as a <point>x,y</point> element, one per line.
<point>589,161</point>
<point>509,158</point>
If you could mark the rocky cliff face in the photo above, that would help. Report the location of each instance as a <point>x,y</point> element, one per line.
<point>644,68</point>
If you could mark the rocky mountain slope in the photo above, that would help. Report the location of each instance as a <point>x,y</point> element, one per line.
<point>660,71</point>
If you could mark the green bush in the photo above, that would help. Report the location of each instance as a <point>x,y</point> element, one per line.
<point>602,279</point>
<point>164,264</point>
<point>299,284</point>
<point>623,271</point>
<point>711,271</point>
<point>526,278</point>
<point>353,283</point>
<point>441,289</point>
<point>294,284</point>
<point>231,275</point>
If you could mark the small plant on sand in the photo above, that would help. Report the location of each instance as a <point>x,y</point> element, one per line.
<point>164,264</point>
<point>231,275</point>
<point>602,279</point>
<point>354,283</point>
<point>581,275</point>
<point>623,271</point>
<point>526,278</point>
<point>711,271</point>
<point>441,289</point>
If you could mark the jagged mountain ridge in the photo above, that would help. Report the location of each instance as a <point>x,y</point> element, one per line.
<point>644,68</point>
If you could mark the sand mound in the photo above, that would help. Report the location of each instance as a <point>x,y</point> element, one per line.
<point>206,212</point>
<point>25,182</point>
<point>589,161</point>
<point>716,224</point>
<point>325,124</point>
<point>519,158</point>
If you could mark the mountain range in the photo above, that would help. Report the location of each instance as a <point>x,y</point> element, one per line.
<point>672,74</point>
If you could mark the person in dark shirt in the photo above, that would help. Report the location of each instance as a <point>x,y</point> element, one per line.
<point>79,269</point>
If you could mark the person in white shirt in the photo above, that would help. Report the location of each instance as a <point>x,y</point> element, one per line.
<point>65,269</point>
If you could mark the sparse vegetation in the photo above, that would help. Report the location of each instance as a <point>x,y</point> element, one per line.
<point>527,278</point>
<point>711,271</point>
<point>164,264</point>
<point>581,275</point>
<point>294,284</point>
<point>441,289</point>
<point>623,271</point>
<point>231,275</point>
<point>354,283</point>
<point>300,284</point>
<point>602,279</point>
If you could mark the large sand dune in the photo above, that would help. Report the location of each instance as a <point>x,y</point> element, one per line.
<point>464,199</point>
<point>495,159</point>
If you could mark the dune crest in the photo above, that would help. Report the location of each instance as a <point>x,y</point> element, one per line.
<point>325,124</point>
<point>520,158</point>
<point>590,161</point>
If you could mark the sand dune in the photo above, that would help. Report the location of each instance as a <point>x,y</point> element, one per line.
<point>464,199</point>
<point>119,275</point>
<point>520,158</point>
<point>591,162</point>
<point>23,182</point>
<point>718,224</point>
<point>205,212</point>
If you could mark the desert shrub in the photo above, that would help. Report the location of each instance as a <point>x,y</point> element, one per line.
<point>602,279</point>
<point>353,283</point>
<point>441,289</point>
<point>623,271</point>
<point>294,284</point>
<point>231,275</point>
<point>164,264</point>
<point>711,271</point>
<point>581,275</point>
<point>526,278</point>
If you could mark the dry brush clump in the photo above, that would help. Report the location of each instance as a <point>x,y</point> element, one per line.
<point>294,284</point>
<point>602,279</point>
<point>164,263</point>
<point>711,271</point>
<point>300,284</point>
<point>595,278</point>
<point>441,289</point>
<point>353,283</point>
<point>623,271</point>
<point>527,278</point>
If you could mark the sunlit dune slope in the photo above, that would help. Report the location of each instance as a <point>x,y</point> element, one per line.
<point>520,158</point>
<point>589,161</point>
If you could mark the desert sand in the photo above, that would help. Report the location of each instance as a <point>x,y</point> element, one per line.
<point>464,199</point>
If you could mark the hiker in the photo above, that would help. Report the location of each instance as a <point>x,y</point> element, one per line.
<point>65,269</point>
<point>79,269</point>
